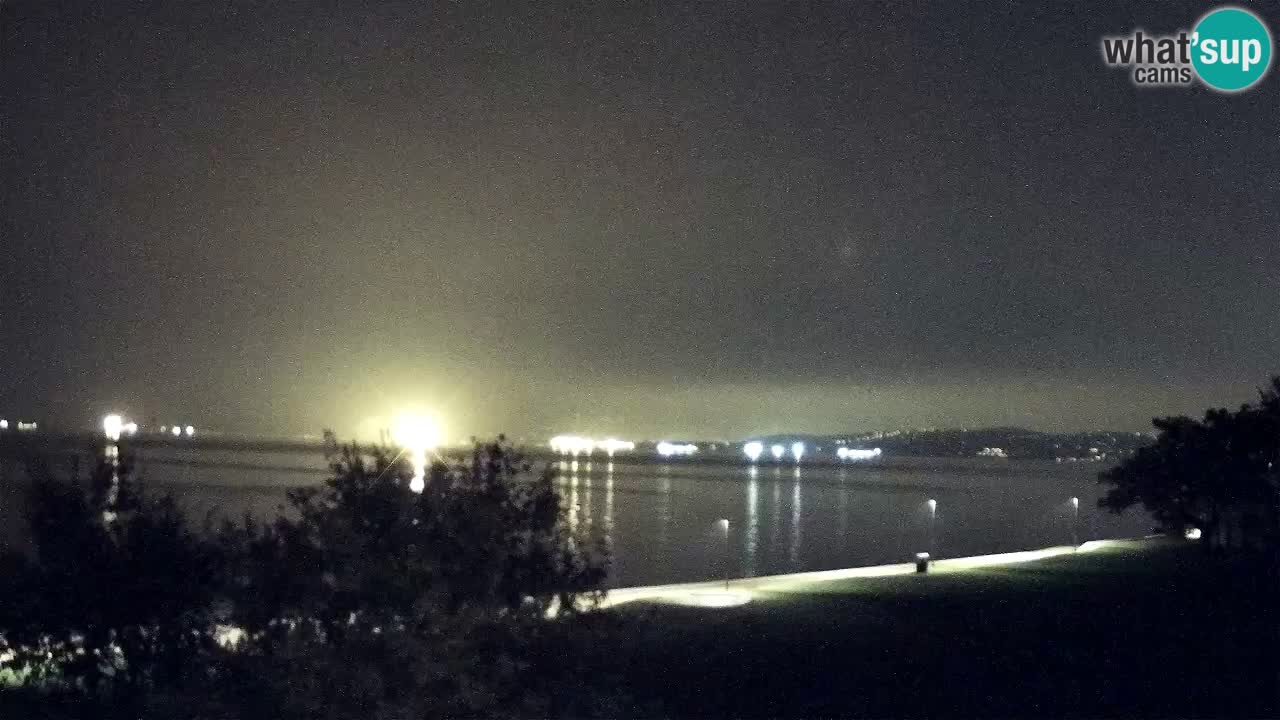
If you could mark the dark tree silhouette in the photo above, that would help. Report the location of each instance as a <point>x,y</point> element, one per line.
<point>380,601</point>
<point>1220,474</point>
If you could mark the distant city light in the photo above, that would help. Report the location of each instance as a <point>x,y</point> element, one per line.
<point>613,445</point>
<point>111,426</point>
<point>418,435</point>
<point>1192,533</point>
<point>177,431</point>
<point>572,445</point>
<point>777,451</point>
<point>753,450</point>
<point>858,453</point>
<point>666,449</point>
<point>28,426</point>
<point>797,450</point>
<point>189,431</point>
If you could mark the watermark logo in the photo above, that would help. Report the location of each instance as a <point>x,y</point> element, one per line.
<point>1229,50</point>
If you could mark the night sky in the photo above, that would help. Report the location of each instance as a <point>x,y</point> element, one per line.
<point>654,219</point>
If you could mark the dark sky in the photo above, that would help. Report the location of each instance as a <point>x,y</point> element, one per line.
<point>694,219</point>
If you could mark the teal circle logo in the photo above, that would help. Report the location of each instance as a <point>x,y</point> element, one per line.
<point>1231,49</point>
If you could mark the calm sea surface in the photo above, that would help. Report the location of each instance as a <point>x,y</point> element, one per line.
<point>661,521</point>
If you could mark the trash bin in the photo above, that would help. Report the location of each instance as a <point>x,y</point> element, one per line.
<point>922,562</point>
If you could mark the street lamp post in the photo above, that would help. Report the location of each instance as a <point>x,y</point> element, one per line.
<point>1075,521</point>
<point>724,524</point>
<point>933,513</point>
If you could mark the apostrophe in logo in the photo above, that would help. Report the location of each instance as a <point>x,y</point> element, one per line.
<point>1231,49</point>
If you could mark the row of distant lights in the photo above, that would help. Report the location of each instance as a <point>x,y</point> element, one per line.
<point>115,427</point>
<point>21,426</point>
<point>575,445</point>
<point>753,450</point>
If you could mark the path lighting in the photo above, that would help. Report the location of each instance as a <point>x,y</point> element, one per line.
<point>777,451</point>
<point>797,450</point>
<point>1075,521</point>
<point>933,514</point>
<point>753,450</point>
<point>724,525</point>
<point>922,562</point>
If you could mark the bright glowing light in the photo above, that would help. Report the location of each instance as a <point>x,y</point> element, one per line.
<point>613,445</point>
<point>666,449</point>
<point>4,424</point>
<point>1075,503</point>
<point>724,524</point>
<point>797,450</point>
<point>131,428</point>
<point>858,453</point>
<point>177,431</point>
<point>190,431</point>
<point>415,432</point>
<point>753,450</point>
<point>28,426</point>
<point>573,445</point>
<point>418,435</point>
<point>1192,533</point>
<point>111,426</point>
<point>933,505</point>
<point>922,556</point>
<point>777,451</point>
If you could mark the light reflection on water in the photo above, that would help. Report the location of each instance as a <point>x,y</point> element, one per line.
<point>753,521</point>
<point>657,519</point>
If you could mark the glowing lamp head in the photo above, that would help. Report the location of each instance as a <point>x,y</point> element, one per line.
<point>777,451</point>
<point>922,556</point>
<point>723,523</point>
<point>753,450</point>
<point>4,424</point>
<point>933,505</point>
<point>1075,503</point>
<point>797,450</point>
<point>177,431</point>
<point>842,452</point>
<point>131,428</point>
<point>112,425</point>
<point>1192,533</point>
<point>189,431</point>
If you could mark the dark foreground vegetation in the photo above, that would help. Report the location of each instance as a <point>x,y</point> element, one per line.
<point>375,602</point>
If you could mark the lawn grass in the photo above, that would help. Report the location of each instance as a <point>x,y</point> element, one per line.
<point>1150,629</point>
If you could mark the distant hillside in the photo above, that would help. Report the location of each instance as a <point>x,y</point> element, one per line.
<point>1009,442</point>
